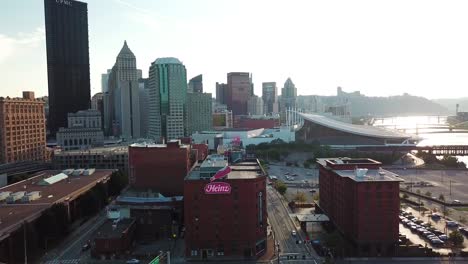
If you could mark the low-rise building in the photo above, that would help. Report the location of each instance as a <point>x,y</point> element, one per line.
<point>84,131</point>
<point>113,157</point>
<point>114,238</point>
<point>363,202</point>
<point>225,218</point>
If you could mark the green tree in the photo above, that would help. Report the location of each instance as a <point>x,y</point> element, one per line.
<point>316,197</point>
<point>442,197</point>
<point>428,194</point>
<point>281,187</point>
<point>300,197</point>
<point>456,237</point>
<point>405,196</point>
<point>418,191</point>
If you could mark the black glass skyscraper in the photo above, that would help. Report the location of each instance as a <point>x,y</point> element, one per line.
<point>66,24</point>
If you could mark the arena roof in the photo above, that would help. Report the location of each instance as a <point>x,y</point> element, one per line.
<point>368,131</point>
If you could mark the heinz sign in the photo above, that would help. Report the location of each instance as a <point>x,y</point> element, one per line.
<point>218,188</point>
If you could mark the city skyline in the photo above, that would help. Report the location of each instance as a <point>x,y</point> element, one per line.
<point>379,49</point>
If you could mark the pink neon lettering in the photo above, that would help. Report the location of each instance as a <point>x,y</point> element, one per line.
<point>217,188</point>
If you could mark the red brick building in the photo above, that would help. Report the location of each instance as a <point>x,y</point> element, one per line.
<point>255,123</point>
<point>22,129</point>
<point>363,204</point>
<point>160,167</point>
<point>114,238</point>
<point>202,151</point>
<point>225,219</point>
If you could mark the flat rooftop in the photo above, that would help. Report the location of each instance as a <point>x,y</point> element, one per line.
<point>336,162</point>
<point>98,150</point>
<point>379,175</point>
<point>68,189</point>
<point>241,170</point>
<point>111,230</point>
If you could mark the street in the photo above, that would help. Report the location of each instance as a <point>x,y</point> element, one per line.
<point>283,226</point>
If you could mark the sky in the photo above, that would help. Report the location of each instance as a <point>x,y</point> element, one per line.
<point>381,48</point>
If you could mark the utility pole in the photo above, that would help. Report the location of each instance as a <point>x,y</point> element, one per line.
<point>25,244</point>
<point>450,187</point>
<point>168,254</point>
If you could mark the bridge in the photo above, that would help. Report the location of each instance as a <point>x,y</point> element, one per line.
<point>452,150</point>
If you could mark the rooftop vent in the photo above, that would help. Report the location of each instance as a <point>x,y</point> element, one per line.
<point>360,173</point>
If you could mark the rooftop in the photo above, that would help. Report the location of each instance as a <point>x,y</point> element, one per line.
<point>248,169</point>
<point>67,189</point>
<point>368,131</point>
<point>371,175</point>
<point>114,230</point>
<point>98,150</point>
<point>167,60</point>
<point>336,162</point>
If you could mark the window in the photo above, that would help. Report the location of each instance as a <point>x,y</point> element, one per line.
<point>194,253</point>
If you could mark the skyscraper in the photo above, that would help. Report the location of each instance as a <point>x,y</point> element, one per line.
<point>255,105</point>
<point>270,97</point>
<point>195,84</point>
<point>167,99</point>
<point>239,90</point>
<point>123,114</point>
<point>66,25</point>
<point>288,95</point>
<point>199,112</point>
<point>221,93</point>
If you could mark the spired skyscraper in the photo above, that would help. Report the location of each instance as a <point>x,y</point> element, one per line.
<point>122,99</point>
<point>167,101</point>
<point>288,95</point>
<point>66,23</point>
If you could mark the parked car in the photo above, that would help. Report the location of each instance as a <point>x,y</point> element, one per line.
<point>312,191</point>
<point>443,237</point>
<point>133,261</point>
<point>437,242</point>
<point>451,224</point>
<point>456,202</point>
<point>293,233</point>
<point>435,216</point>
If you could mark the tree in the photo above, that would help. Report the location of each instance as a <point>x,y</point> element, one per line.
<point>428,194</point>
<point>418,191</point>
<point>457,238</point>
<point>405,196</point>
<point>281,187</point>
<point>316,197</point>
<point>442,197</point>
<point>300,197</point>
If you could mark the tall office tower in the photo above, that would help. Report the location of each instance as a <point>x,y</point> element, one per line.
<point>167,99</point>
<point>239,90</point>
<point>124,110</point>
<point>270,97</point>
<point>199,112</point>
<point>255,105</point>
<point>66,25</point>
<point>143,84</point>
<point>221,93</point>
<point>288,95</point>
<point>195,84</point>
<point>22,129</point>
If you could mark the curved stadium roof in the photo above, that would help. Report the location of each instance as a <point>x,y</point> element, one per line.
<point>368,131</point>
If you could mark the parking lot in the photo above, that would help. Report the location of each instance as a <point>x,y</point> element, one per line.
<point>294,175</point>
<point>450,183</point>
<point>429,230</point>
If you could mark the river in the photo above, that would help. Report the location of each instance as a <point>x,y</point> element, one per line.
<point>430,129</point>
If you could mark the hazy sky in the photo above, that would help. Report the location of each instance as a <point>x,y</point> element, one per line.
<point>378,47</point>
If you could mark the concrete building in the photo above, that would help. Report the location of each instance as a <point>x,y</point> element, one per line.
<point>170,161</point>
<point>363,202</point>
<point>226,218</point>
<point>84,131</point>
<point>222,120</point>
<point>270,97</point>
<point>115,157</point>
<point>212,138</point>
<point>199,113</point>
<point>143,85</point>
<point>239,91</point>
<point>288,95</point>
<point>221,93</point>
<point>66,25</point>
<point>22,129</point>
<point>122,113</point>
<point>97,102</point>
<point>167,100</point>
<point>255,105</point>
<point>195,84</point>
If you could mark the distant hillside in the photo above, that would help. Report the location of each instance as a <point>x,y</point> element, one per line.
<point>402,105</point>
<point>451,104</point>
